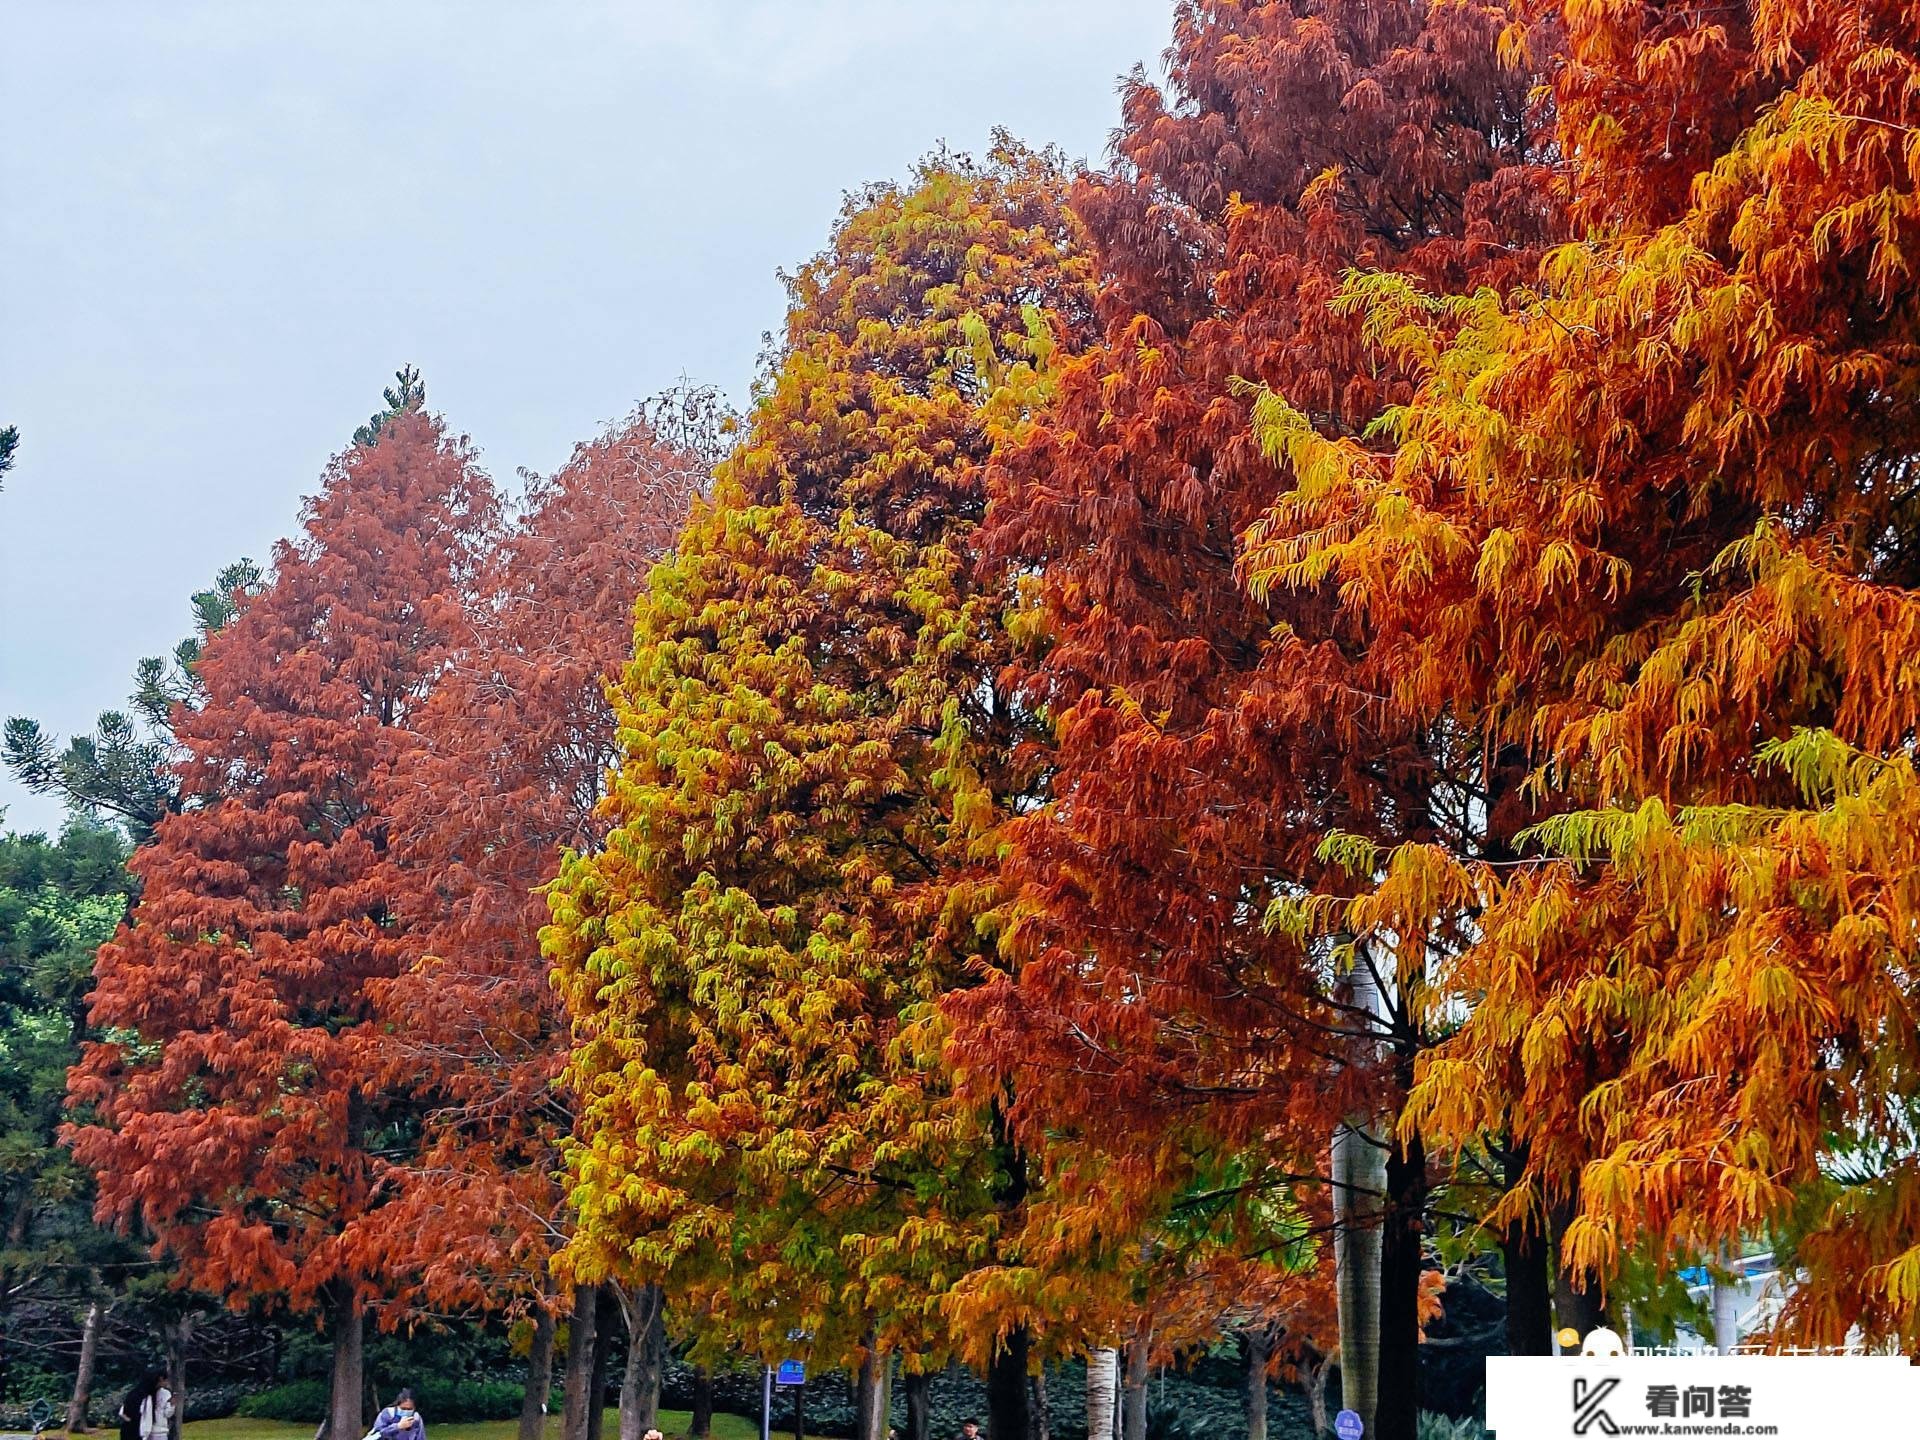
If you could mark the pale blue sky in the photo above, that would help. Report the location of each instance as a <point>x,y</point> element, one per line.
<point>224,225</point>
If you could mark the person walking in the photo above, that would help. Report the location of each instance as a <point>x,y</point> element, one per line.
<point>399,1421</point>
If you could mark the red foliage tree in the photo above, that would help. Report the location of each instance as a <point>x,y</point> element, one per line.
<point>513,748</point>
<point>236,1113</point>
<point>1208,743</point>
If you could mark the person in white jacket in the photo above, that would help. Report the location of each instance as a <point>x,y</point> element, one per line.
<point>148,1411</point>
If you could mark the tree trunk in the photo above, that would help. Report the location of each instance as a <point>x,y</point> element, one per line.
<point>863,1382</point>
<point>1726,1310</point>
<point>1360,1182</point>
<point>1042,1410</point>
<point>1529,1269</point>
<point>1359,1203</point>
<point>606,1307</point>
<point>919,1406</point>
<point>1133,1387</point>
<point>640,1382</point>
<point>179,1334</point>
<point>344,1415</point>
<point>83,1373</point>
<point>1402,1258</point>
<point>1103,1393</point>
<point>1007,1410</point>
<point>533,1403</point>
<point>1256,1346</point>
<point>578,1380</point>
<point>701,1426</point>
<point>1317,1394</point>
<point>1579,1297</point>
<point>873,1394</point>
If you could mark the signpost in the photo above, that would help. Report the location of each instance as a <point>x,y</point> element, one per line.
<point>1348,1426</point>
<point>792,1372</point>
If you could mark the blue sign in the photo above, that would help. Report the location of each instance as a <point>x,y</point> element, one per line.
<point>792,1372</point>
<point>1348,1425</point>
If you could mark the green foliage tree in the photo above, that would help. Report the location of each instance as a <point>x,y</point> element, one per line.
<point>407,394</point>
<point>123,770</point>
<point>59,901</point>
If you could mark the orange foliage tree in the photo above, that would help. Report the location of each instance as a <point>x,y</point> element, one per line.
<point>1651,524</point>
<point>513,747</point>
<point>1207,741</point>
<point>238,1109</point>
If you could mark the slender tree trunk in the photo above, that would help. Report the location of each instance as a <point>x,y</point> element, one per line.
<point>1579,1297</point>
<point>873,1394</point>
<point>1042,1410</point>
<point>701,1426</point>
<point>1317,1394</point>
<point>179,1335</point>
<point>349,1376</point>
<point>83,1372</point>
<point>1360,1182</point>
<point>1359,1201</point>
<point>1256,1346</point>
<point>640,1382</point>
<point>578,1380</point>
<point>1402,1258</point>
<point>1525,1258</point>
<point>606,1308</point>
<point>1726,1310</point>
<point>863,1379</point>
<point>1103,1393</point>
<point>1008,1414</point>
<point>919,1406</point>
<point>533,1403</point>
<point>1133,1388</point>
<point>1007,1410</point>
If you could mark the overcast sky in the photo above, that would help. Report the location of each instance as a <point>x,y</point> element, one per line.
<point>224,225</point>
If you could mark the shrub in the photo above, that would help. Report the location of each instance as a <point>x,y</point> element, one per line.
<point>297,1400</point>
<point>1446,1427</point>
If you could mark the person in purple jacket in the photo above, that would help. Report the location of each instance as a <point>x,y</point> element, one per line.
<point>400,1420</point>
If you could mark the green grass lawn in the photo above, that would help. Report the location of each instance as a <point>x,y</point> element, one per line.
<point>673,1423</point>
